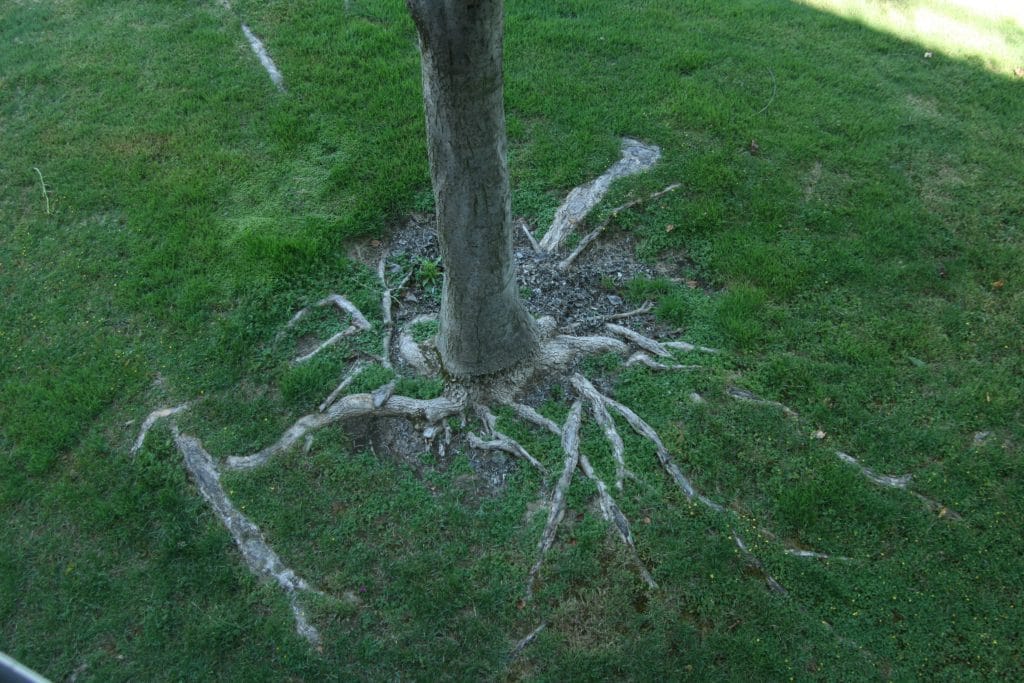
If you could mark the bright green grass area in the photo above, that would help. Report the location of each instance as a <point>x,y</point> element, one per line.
<point>865,268</point>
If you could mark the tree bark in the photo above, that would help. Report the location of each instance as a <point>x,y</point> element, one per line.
<point>484,327</point>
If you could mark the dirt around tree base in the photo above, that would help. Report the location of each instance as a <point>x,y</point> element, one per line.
<point>580,299</point>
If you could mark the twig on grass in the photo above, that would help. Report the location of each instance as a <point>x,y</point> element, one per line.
<point>772,97</point>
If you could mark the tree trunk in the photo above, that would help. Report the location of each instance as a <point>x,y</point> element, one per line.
<point>484,327</point>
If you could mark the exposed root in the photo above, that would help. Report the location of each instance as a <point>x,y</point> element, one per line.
<point>346,381</point>
<point>645,430</point>
<point>412,355</point>
<point>607,424</point>
<point>938,508</point>
<point>646,308</point>
<point>527,413</point>
<point>570,445</point>
<point>526,640</point>
<point>386,304</point>
<point>752,560</point>
<point>688,347</point>
<point>636,158</point>
<point>262,560</point>
<point>812,555</point>
<point>642,358</point>
<point>46,193</point>
<point>888,481</point>
<point>151,420</point>
<point>668,463</point>
<point>359,323</point>
<point>751,397</point>
<point>591,236</point>
<point>900,482</point>
<point>378,404</point>
<point>612,513</point>
<point>506,445</point>
<point>261,52</point>
<point>529,237</point>
<point>644,342</point>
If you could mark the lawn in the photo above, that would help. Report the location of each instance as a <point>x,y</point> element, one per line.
<point>849,232</point>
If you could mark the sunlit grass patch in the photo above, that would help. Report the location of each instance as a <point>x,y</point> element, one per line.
<point>991,32</point>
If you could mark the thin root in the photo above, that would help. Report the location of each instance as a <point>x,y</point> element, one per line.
<point>502,443</point>
<point>359,323</point>
<point>751,397</point>
<point>347,380</point>
<point>645,360</point>
<point>526,640</point>
<point>644,342</point>
<point>151,420</point>
<point>613,513</point>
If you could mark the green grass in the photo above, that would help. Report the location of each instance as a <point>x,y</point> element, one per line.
<point>864,267</point>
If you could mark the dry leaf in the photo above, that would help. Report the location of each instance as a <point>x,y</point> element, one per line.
<point>647,520</point>
<point>818,434</point>
<point>754,147</point>
<point>927,55</point>
<point>999,284</point>
<point>669,227</point>
<point>692,284</point>
<point>1019,72</point>
<point>520,603</point>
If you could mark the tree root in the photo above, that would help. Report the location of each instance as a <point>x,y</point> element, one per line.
<point>151,420</point>
<point>526,640</point>
<point>570,445</point>
<point>636,158</point>
<point>258,555</point>
<point>377,404</point>
<point>591,236</point>
<point>262,560</point>
<point>558,355</point>
<point>359,323</point>
<point>899,482</point>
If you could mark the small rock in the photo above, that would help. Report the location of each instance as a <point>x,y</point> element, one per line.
<point>981,437</point>
<point>614,300</point>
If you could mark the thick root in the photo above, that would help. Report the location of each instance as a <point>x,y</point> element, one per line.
<point>378,404</point>
<point>262,560</point>
<point>636,158</point>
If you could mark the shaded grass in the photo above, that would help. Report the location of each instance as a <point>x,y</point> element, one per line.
<point>863,267</point>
